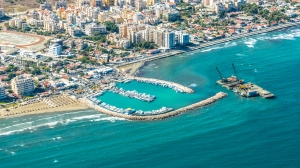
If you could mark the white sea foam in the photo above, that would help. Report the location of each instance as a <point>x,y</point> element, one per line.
<point>226,45</point>
<point>57,138</point>
<point>240,55</point>
<point>48,123</point>
<point>250,42</point>
<point>111,119</point>
<point>193,85</point>
<point>55,161</point>
<point>289,35</point>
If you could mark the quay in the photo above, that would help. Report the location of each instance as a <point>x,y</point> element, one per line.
<point>175,86</point>
<point>246,90</point>
<point>202,103</point>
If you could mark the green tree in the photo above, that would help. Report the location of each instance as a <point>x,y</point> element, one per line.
<point>112,27</point>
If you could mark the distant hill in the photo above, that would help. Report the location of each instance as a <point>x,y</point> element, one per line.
<point>24,4</point>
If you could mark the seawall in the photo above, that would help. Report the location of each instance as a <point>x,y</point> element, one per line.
<point>202,103</point>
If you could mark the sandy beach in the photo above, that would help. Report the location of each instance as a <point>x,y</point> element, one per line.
<point>41,107</point>
<point>130,69</point>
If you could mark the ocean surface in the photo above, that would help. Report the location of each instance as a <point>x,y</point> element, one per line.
<point>233,132</point>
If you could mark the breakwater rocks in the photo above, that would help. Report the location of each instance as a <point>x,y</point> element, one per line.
<point>202,103</point>
<point>175,86</point>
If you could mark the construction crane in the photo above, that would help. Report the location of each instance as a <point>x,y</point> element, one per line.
<point>235,72</point>
<point>221,76</point>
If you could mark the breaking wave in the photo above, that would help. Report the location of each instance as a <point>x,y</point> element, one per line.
<point>289,35</point>
<point>250,42</point>
<point>53,121</point>
<point>226,45</point>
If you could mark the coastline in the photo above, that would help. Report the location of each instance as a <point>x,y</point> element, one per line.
<point>131,68</point>
<point>135,63</point>
<point>40,107</point>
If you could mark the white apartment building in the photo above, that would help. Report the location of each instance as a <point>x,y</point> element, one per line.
<point>22,85</point>
<point>73,31</point>
<point>50,26</point>
<point>61,4</point>
<point>2,13</point>
<point>15,22</point>
<point>90,29</point>
<point>55,49</point>
<point>182,38</point>
<point>123,43</point>
<point>169,39</point>
<point>46,5</point>
<point>81,3</point>
<point>2,91</point>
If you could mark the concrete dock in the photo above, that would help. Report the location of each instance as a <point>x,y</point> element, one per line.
<point>172,85</point>
<point>202,103</point>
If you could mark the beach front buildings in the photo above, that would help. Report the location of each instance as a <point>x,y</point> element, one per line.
<point>2,91</point>
<point>22,85</point>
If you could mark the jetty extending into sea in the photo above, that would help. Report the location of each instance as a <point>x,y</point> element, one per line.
<point>199,104</point>
<point>175,86</point>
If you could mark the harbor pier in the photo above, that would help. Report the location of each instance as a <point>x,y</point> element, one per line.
<point>175,86</point>
<point>202,103</point>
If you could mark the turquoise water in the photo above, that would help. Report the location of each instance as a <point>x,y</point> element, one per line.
<point>233,132</point>
<point>164,97</point>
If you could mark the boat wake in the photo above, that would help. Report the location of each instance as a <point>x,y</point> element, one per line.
<point>53,121</point>
<point>225,45</point>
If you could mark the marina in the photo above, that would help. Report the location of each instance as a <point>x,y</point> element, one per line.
<point>163,113</point>
<point>238,85</point>
<point>133,94</point>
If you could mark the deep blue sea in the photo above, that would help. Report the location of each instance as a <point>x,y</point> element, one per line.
<point>233,132</point>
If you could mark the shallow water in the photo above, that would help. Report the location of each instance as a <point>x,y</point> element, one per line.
<point>233,132</point>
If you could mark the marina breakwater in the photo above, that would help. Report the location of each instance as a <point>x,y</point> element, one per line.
<point>175,86</point>
<point>202,103</point>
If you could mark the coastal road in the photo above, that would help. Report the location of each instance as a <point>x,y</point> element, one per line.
<point>224,40</point>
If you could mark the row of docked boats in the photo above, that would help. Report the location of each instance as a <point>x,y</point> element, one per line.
<point>116,109</point>
<point>134,94</point>
<point>93,97</point>
<point>154,112</point>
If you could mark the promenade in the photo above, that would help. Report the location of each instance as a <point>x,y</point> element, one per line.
<point>202,103</point>
<point>208,44</point>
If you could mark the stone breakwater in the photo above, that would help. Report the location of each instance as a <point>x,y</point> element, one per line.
<point>175,86</point>
<point>202,103</point>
